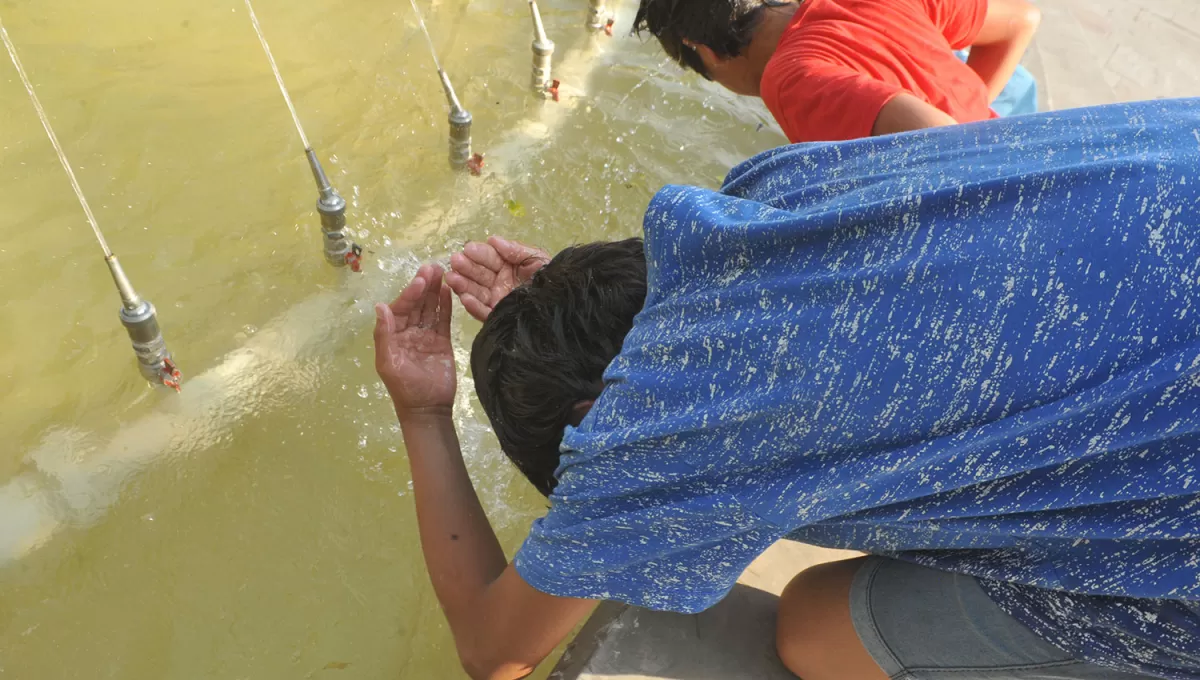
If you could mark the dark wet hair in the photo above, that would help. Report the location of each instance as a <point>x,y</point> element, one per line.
<point>725,26</point>
<point>545,346</point>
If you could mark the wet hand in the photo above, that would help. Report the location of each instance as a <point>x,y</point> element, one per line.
<point>413,354</point>
<point>483,273</point>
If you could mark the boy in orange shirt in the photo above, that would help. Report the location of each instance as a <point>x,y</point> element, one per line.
<point>832,70</point>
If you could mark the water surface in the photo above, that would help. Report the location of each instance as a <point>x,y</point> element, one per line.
<point>260,525</point>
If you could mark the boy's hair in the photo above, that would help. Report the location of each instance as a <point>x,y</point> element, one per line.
<point>545,345</point>
<point>725,26</point>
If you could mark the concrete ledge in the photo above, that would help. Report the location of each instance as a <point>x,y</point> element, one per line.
<point>735,639</point>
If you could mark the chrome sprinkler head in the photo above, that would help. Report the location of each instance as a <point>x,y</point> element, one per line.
<point>140,320</point>
<point>460,137</point>
<point>130,300</point>
<point>339,249</point>
<point>543,49</point>
<point>598,15</point>
<point>460,126</point>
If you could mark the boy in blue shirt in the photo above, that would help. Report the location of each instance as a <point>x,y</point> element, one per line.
<point>970,352</point>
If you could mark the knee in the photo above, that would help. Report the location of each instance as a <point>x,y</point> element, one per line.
<point>813,617</point>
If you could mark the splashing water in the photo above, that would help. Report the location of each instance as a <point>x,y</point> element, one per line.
<point>278,76</point>
<point>62,156</point>
<point>428,39</point>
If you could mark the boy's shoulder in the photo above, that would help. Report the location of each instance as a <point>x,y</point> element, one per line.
<point>822,15</point>
<point>840,33</point>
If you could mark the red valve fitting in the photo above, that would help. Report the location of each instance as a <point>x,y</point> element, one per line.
<point>169,374</point>
<point>475,165</point>
<point>354,258</point>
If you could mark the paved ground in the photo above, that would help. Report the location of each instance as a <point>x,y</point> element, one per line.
<point>1092,52</point>
<point>1088,52</point>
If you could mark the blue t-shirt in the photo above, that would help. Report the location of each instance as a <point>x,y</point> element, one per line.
<point>974,347</point>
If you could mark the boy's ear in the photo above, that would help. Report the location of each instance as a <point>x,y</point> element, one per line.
<point>579,410</point>
<point>711,60</point>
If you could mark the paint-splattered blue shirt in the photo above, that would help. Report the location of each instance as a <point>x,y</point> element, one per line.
<point>977,348</point>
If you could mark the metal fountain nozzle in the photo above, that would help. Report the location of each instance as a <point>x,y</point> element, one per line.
<point>598,15</point>
<point>340,250</point>
<point>140,320</point>
<point>543,49</point>
<point>460,125</point>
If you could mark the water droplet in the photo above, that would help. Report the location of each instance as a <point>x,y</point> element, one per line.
<point>362,391</point>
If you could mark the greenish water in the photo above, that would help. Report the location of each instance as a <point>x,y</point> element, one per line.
<point>260,525</point>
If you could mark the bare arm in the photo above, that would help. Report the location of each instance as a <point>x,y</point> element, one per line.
<point>1006,34</point>
<point>905,112</point>
<point>502,626</point>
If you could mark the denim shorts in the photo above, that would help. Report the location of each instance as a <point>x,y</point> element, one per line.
<point>923,624</point>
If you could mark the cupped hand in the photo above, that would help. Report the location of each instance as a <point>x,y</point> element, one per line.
<point>483,273</point>
<point>413,354</point>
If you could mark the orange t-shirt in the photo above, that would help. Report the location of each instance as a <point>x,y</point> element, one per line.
<point>840,61</point>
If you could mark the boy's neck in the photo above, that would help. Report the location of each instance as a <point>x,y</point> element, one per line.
<point>774,22</point>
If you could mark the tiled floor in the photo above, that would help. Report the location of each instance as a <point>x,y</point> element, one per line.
<point>1092,52</point>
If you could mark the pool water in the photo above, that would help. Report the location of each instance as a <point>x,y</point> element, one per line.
<point>260,524</point>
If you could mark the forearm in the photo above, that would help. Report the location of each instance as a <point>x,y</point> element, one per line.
<point>996,63</point>
<point>461,551</point>
<point>502,626</point>
<point>1007,32</point>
